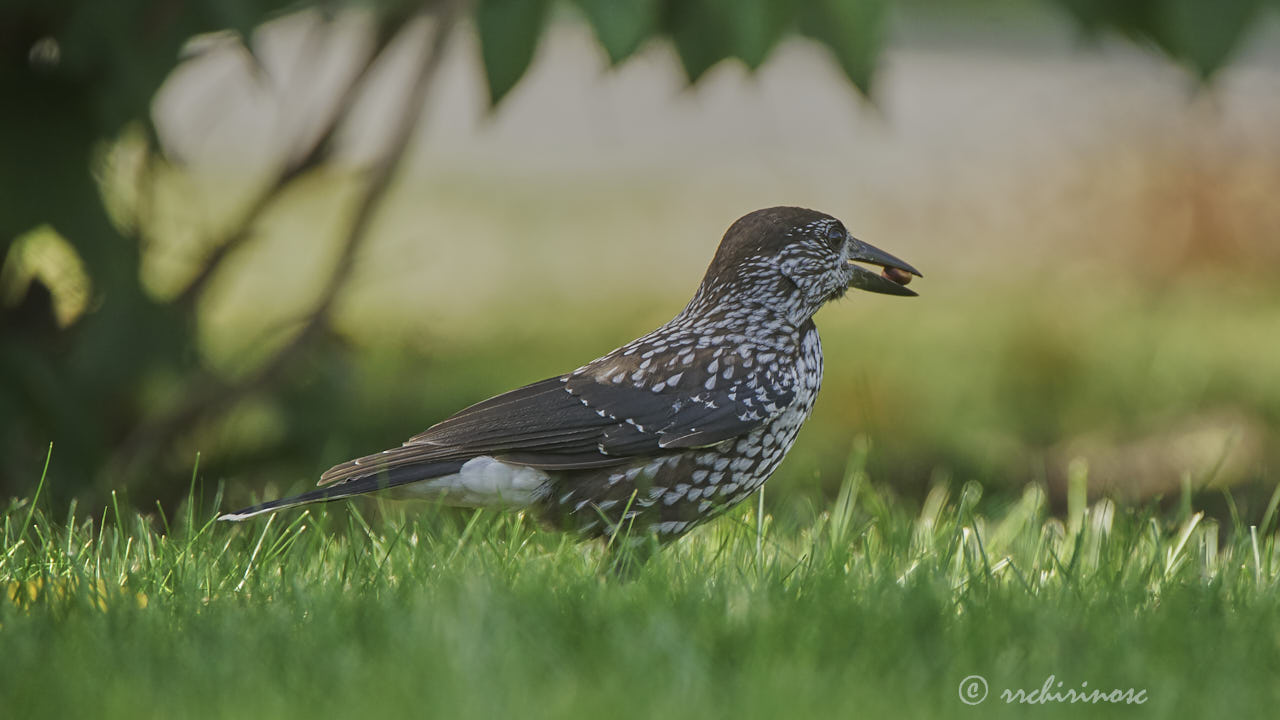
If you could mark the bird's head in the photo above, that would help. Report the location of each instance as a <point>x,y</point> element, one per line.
<point>798,259</point>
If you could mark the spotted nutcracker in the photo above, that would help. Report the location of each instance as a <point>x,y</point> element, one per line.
<point>668,430</point>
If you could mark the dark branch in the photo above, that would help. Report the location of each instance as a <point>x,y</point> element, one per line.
<point>293,167</point>
<point>217,395</point>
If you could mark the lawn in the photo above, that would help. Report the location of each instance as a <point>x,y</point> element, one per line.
<point>879,607</point>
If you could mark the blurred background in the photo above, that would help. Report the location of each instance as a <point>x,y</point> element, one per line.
<point>311,237</point>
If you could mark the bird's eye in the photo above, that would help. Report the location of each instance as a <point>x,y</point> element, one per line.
<point>836,234</point>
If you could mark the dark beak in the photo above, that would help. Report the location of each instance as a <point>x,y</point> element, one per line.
<point>864,279</point>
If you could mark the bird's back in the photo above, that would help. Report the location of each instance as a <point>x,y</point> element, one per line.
<point>774,383</point>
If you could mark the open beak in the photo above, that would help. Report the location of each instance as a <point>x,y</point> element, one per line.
<point>892,281</point>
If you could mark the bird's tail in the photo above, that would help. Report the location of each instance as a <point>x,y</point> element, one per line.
<point>378,480</point>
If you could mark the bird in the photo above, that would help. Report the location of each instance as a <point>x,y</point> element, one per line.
<point>661,434</point>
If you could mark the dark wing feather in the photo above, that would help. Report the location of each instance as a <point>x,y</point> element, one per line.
<point>353,486</point>
<point>541,416</point>
<point>579,421</point>
<point>397,462</point>
<point>672,419</point>
<point>532,418</point>
<point>542,407</point>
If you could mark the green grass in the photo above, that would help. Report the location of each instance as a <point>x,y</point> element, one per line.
<point>877,608</point>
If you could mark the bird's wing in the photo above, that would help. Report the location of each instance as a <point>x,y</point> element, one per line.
<point>691,414</point>
<point>586,419</point>
<point>533,417</point>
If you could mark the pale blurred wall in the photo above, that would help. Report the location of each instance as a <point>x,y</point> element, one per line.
<point>1001,151</point>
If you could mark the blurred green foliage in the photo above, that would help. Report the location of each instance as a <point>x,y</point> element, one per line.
<point>1201,35</point>
<point>113,386</point>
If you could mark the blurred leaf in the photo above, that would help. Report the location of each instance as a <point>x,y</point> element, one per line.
<point>1200,34</point>
<point>756,27</point>
<point>238,16</point>
<point>621,25</point>
<point>708,31</point>
<point>509,32</point>
<point>1204,34</point>
<point>854,30</point>
<point>1127,17</point>
<point>698,32</point>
